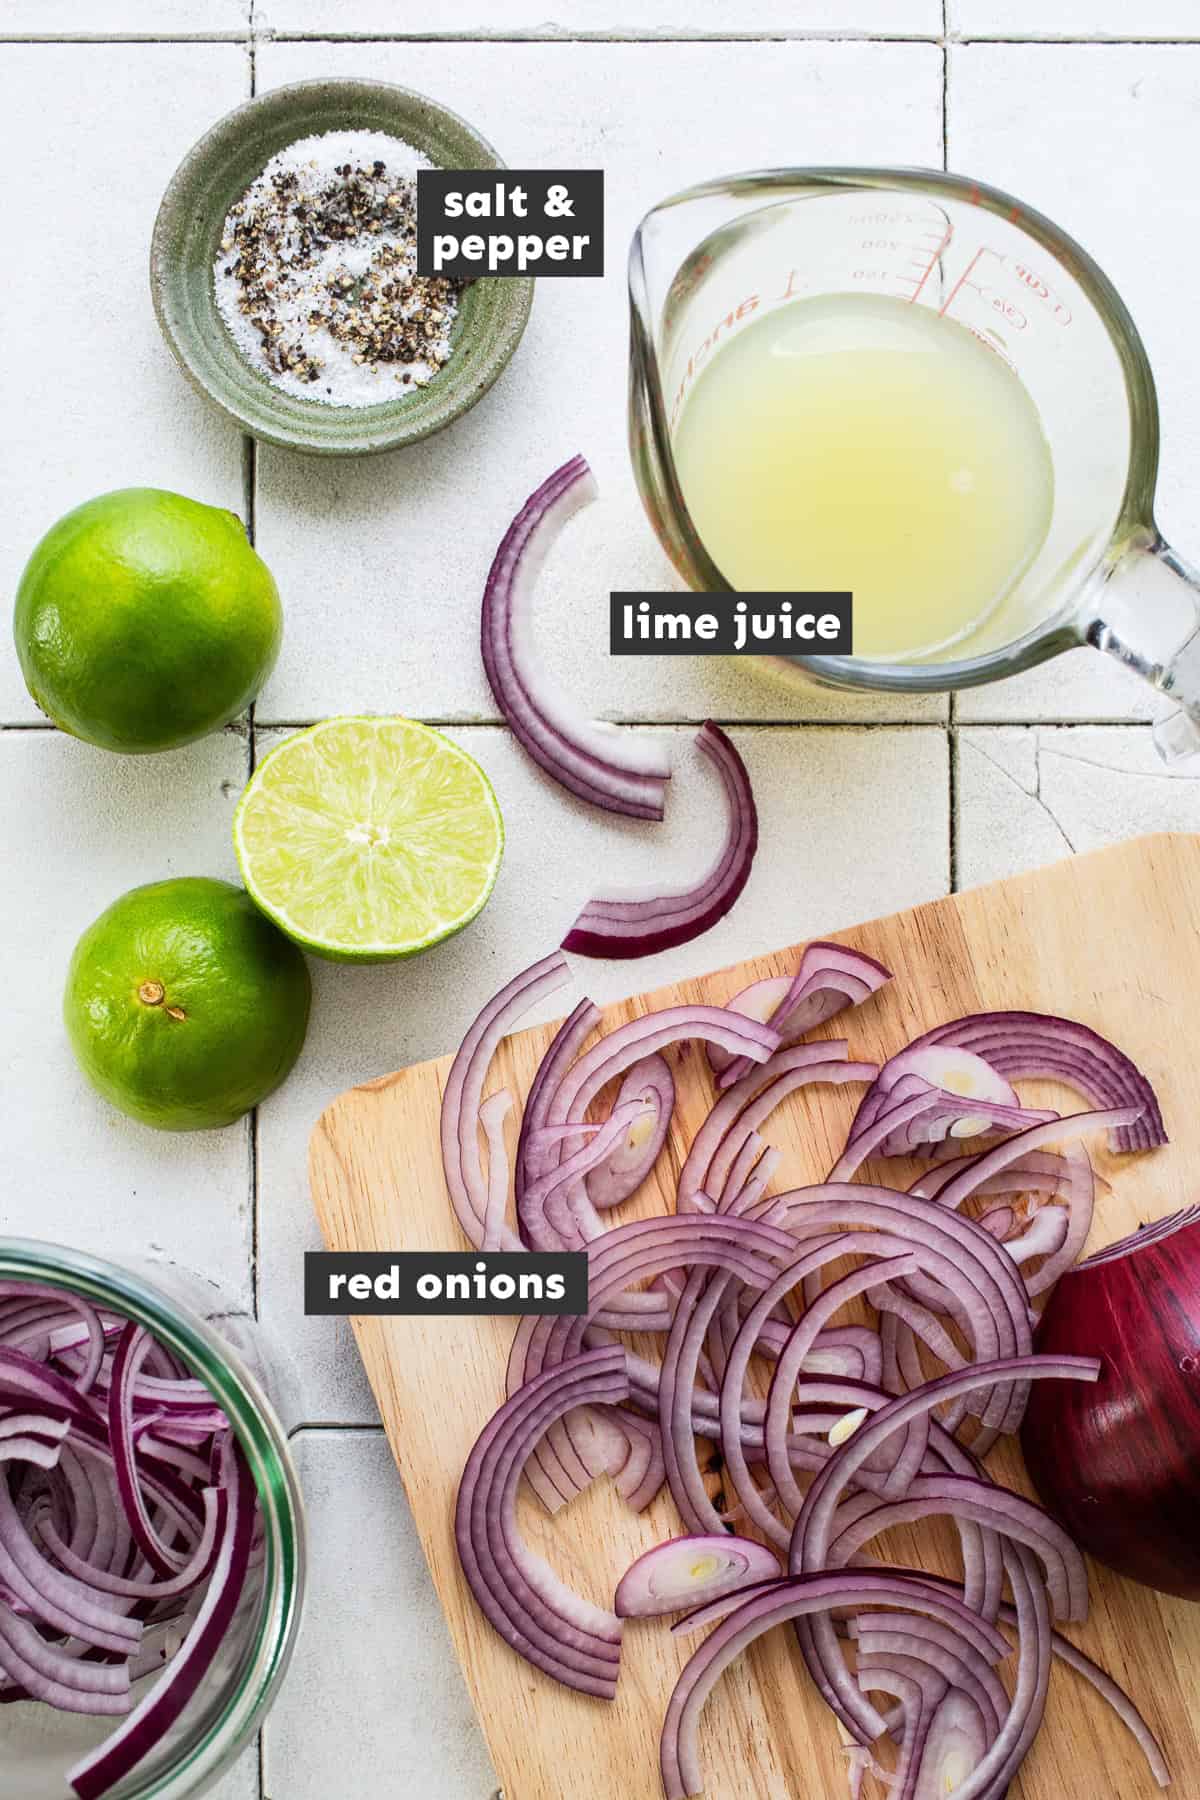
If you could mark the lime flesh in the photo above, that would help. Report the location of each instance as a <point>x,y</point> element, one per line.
<point>368,839</point>
<point>184,1006</point>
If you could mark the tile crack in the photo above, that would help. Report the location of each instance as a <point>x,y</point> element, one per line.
<point>1033,793</point>
<point>1088,762</point>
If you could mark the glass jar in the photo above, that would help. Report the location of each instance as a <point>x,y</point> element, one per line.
<point>225,1350</point>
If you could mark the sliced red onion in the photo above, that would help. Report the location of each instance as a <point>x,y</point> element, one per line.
<point>140,1457</point>
<point>103,1768</point>
<point>966,1497</point>
<point>917,1115</point>
<point>57,1311</point>
<point>47,1673</point>
<point>1029,1044</point>
<point>463,1094</point>
<point>689,1571</point>
<point>777,1417</point>
<point>631,1043</point>
<point>1015,1150</point>
<point>804,1062</point>
<point>851,1351</point>
<point>760,1000</point>
<point>623,1173</point>
<point>775,1605</point>
<point>492,1114</point>
<point>197,1569</point>
<point>621,771</point>
<point>625,926</point>
<point>1113,1695</point>
<point>724,1178</point>
<point>956,1744</point>
<point>634,1252</point>
<point>533,1159</point>
<point>984,1280</point>
<point>1045,1235</point>
<point>957,1663</point>
<point>23,1378</point>
<point>545,1218</point>
<point>720,1271</point>
<point>58,1600</point>
<point>813,1528</point>
<point>815,1525</point>
<point>134,1346</point>
<point>830,978</point>
<point>536,1614</point>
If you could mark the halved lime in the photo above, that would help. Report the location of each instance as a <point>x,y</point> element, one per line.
<point>368,839</point>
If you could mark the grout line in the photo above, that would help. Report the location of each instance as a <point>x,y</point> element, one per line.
<point>1106,723</point>
<point>125,37</point>
<point>952,708</point>
<point>952,861</point>
<point>250,505</point>
<point>358,1426</point>
<point>535,36</point>
<point>945,84</point>
<point>250,509</point>
<point>1076,43</point>
<point>730,724</point>
<point>532,37</point>
<point>1002,724</point>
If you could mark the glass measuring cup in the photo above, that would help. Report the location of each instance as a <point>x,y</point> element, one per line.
<point>707,261</point>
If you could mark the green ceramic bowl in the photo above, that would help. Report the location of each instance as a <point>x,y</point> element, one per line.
<point>491,316</point>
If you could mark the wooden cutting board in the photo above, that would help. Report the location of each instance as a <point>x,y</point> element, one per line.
<point>1112,939</point>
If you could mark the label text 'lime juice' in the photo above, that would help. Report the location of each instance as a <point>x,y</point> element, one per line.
<point>859,442</point>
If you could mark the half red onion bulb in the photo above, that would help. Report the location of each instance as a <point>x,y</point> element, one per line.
<point>1118,1464</point>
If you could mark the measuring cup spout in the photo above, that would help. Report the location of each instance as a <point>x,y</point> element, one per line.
<point>1147,616</point>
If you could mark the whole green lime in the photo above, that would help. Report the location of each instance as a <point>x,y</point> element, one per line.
<point>184,1005</point>
<point>144,620</point>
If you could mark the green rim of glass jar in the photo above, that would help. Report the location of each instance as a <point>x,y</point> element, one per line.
<point>264,1442</point>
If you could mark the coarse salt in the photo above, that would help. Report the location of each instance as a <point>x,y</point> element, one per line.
<point>315,275</point>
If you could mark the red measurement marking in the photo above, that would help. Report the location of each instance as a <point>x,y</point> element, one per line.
<point>1032,281</point>
<point>1013,314</point>
<point>1059,311</point>
<point>963,280</point>
<point>932,262</point>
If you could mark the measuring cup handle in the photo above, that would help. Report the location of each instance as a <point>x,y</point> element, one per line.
<point>1148,617</point>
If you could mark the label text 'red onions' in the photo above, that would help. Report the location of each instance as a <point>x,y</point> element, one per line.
<point>403,1284</point>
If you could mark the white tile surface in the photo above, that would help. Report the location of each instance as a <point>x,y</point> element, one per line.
<point>852,824</point>
<point>382,561</point>
<point>1080,684</point>
<point>241,1783</point>
<point>150,18</point>
<point>602,18</point>
<point>92,398</point>
<point>1073,18</point>
<point>1029,796</point>
<point>79,827</point>
<point>374,1704</point>
<point>1105,139</point>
